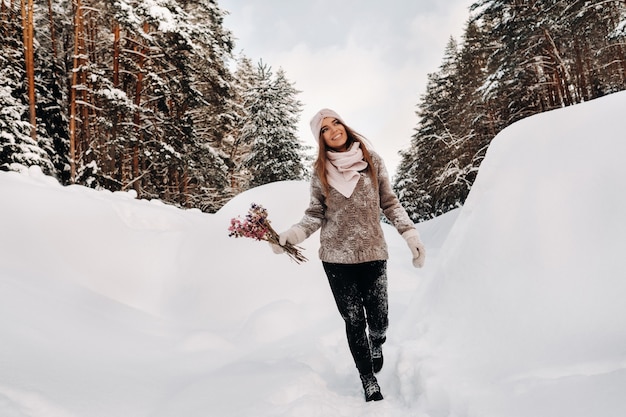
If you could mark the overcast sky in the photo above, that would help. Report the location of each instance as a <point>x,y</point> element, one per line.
<point>366,59</point>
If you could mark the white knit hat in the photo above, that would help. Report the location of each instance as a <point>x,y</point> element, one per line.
<point>316,121</point>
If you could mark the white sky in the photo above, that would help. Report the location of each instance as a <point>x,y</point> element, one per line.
<point>365,59</point>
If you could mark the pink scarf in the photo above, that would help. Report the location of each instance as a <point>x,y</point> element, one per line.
<point>342,169</point>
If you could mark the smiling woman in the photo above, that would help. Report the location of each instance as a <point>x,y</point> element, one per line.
<point>334,134</point>
<point>349,189</point>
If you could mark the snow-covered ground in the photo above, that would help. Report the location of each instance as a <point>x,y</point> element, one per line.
<point>117,307</point>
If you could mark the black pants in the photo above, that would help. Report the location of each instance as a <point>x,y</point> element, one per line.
<point>360,291</point>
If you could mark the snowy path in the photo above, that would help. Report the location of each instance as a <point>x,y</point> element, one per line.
<point>114,307</point>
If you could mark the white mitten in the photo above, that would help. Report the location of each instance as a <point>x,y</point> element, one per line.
<point>276,248</point>
<point>412,238</point>
<point>294,235</point>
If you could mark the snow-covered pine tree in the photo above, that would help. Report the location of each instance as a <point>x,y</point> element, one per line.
<point>517,59</point>
<point>150,86</point>
<point>547,54</point>
<point>245,80</point>
<point>276,153</point>
<point>52,126</point>
<point>414,199</point>
<point>292,110</point>
<point>213,45</point>
<point>430,178</point>
<point>475,117</point>
<point>518,67</point>
<point>18,149</point>
<point>596,37</point>
<point>215,117</point>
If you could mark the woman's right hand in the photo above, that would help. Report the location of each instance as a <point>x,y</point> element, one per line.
<point>294,236</point>
<point>277,249</point>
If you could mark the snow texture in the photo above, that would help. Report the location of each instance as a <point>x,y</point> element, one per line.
<point>112,306</point>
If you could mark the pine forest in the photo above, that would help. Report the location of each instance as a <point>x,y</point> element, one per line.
<point>517,58</point>
<point>149,96</point>
<point>139,94</point>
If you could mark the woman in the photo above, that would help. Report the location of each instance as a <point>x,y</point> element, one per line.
<point>349,188</point>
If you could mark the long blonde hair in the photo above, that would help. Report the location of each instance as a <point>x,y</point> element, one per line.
<point>320,163</point>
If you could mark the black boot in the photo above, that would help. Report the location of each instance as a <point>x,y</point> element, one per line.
<point>377,357</point>
<point>371,388</point>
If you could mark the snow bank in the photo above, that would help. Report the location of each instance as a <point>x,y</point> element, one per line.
<point>110,306</point>
<point>525,314</point>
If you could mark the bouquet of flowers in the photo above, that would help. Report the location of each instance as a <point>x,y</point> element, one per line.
<point>257,226</point>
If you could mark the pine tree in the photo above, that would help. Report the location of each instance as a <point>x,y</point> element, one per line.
<point>276,154</point>
<point>473,117</point>
<point>213,78</point>
<point>518,58</point>
<point>18,148</point>
<point>52,123</point>
<point>150,103</point>
<point>246,80</point>
<point>430,179</point>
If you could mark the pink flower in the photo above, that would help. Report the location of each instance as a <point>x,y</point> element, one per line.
<point>257,226</point>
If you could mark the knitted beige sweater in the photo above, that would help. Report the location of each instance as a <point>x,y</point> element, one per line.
<point>350,227</point>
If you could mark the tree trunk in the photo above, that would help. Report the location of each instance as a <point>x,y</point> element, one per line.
<point>5,21</point>
<point>116,55</point>
<point>137,116</point>
<point>581,76</point>
<point>52,33</point>
<point>77,62</point>
<point>29,60</point>
<point>111,164</point>
<point>561,71</point>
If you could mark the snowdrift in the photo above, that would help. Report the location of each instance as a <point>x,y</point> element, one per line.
<point>112,306</point>
<point>525,314</point>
